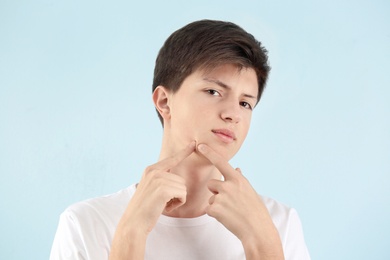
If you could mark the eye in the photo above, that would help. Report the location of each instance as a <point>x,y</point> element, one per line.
<point>213,92</point>
<point>246,105</point>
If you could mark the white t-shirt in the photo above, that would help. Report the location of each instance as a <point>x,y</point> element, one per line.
<point>86,229</point>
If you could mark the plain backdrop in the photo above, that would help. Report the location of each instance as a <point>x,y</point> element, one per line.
<point>77,120</point>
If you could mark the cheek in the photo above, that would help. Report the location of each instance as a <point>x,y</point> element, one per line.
<point>185,125</point>
<point>246,125</point>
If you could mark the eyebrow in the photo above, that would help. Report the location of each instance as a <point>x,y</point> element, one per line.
<point>225,86</point>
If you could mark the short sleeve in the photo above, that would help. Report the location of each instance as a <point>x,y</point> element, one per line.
<point>68,242</point>
<point>294,243</point>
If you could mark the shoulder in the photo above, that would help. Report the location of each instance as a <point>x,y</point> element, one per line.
<point>284,217</point>
<point>278,211</point>
<point>288,224</point>
<point>99,207</point>
<point>83,222</point>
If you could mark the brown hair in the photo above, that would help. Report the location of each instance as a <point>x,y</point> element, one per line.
<point>206,44</point>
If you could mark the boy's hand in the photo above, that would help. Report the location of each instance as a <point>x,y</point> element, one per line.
<point>158,190</point>
<point>240,209</point>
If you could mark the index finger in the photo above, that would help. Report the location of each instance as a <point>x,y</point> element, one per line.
<point>222,165</point>
<point>174,160</point>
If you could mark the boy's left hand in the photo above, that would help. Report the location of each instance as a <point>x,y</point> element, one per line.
<point>237,205</point>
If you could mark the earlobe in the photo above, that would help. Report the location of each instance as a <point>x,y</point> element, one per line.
<point>160,100</point>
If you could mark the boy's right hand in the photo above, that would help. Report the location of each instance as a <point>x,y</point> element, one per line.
<point>158,189</point>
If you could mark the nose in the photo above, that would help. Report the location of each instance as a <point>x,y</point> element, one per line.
<point>231,113</point>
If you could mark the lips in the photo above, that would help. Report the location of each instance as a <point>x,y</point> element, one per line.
<point>225,135</point>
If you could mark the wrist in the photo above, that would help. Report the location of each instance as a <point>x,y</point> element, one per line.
<point>128,243</point>
<point>129,230</point>
<point>264,244</point>
<point>269,251</point>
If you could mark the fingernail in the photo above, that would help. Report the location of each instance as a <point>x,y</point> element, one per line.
<point>202,148</point>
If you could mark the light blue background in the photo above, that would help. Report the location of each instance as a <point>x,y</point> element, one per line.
<point>77,120</point>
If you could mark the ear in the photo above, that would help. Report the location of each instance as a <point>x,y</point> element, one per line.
<point>160,100</point>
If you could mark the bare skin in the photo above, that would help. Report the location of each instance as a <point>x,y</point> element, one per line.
<point>158,190</point>
<point>235,199</point>
<point>186,182</point>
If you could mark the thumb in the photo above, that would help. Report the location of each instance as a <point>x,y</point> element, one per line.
<point>173,204</point>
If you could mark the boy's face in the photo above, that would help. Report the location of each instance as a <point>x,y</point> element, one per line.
<point>215,108</point>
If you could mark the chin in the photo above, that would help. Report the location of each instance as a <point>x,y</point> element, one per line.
<point>225,151</point>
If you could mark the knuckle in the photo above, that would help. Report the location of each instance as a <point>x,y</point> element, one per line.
<point>149,169</point>
<point>163,192</point>
<point>161,180</point>
<point>225,187</point>
<point>151,174</point>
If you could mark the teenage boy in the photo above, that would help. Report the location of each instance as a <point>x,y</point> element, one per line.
<point>192,204</point>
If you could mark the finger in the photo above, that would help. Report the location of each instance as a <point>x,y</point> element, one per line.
<point>222,165</point>
<point>213,185</point>
<point>174,160</point>
<point>212,199</point>
<point>176,202</point>
<point>173,203</point>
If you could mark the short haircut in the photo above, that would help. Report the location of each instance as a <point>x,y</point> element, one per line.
<point>207,44</point>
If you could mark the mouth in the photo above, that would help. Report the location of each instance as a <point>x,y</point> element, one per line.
<point>225,135</point>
